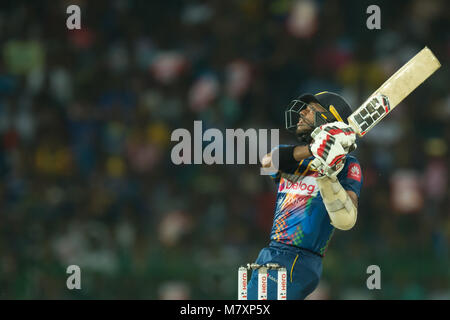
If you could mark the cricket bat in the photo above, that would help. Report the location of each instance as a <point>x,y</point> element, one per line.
<point>393,91</point>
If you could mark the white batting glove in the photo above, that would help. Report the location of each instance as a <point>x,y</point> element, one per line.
<point>329,155</point>
<point>343,133</point>
<point>327,171</point>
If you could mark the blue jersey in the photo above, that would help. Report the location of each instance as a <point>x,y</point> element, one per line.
<point>301,218</point>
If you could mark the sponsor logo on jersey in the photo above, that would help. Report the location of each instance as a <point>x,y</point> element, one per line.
<point>354,172</point>
<point>306,186</point>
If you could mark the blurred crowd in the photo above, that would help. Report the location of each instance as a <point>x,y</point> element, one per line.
<point>86,118</point>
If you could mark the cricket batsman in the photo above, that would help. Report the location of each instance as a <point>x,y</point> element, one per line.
<point>318,188</point>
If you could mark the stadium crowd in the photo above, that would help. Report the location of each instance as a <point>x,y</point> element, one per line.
<point>86,117</point>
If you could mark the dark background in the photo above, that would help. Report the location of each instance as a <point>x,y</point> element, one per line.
<point>86,116</point>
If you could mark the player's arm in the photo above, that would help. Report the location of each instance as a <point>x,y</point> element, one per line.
<point>341,133</point>
<point>331,144</point>
<point>354,197</point>
<point>341,204</point>
<point>287,156</point>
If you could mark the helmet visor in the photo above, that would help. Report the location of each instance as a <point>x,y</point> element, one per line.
<point>293,114</point>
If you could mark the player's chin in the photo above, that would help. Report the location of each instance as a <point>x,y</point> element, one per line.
<point>302,129</point>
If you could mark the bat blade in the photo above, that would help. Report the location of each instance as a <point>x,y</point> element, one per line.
<point>393,91</point>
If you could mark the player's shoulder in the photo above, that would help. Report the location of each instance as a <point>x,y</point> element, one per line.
<point>351,159</point>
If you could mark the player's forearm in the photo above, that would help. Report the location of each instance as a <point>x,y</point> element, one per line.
<point>283,157</point>
<point>301,152</point>
<point>340,207</point>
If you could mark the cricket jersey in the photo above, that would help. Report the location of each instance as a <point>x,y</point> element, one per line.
<point>301,218</point>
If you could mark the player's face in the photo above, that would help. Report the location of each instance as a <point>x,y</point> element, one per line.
<point>306,121</point>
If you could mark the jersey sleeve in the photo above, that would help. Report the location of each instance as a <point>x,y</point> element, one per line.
<point>351,176</point>
<point>289,169</point>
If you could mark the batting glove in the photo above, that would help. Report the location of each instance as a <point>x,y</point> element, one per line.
<point>327,171</point>
<point>329,154</point>
<point>343,134</point>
